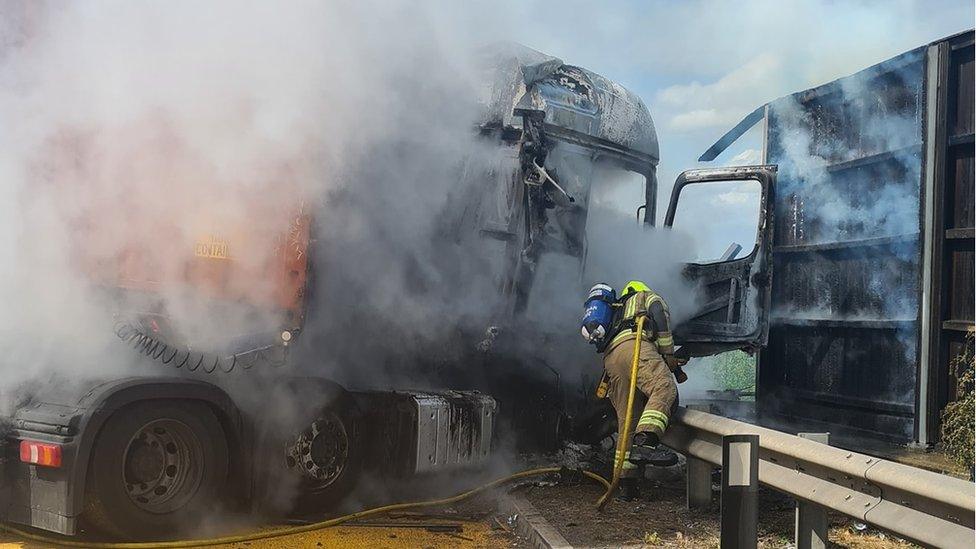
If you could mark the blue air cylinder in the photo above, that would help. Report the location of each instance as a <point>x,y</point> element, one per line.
<point>598,313</point>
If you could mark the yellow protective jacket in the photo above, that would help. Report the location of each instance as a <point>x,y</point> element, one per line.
<point>657,327</point>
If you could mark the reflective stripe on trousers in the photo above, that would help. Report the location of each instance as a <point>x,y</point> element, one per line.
<point>653,418</point>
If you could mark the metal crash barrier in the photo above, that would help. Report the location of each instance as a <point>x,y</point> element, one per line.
<point>920,506</point>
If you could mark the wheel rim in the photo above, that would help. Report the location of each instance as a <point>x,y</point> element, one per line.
<point>162,466</point>
<point>320,453</point>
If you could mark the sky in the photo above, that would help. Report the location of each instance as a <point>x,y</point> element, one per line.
<point>702,65</point>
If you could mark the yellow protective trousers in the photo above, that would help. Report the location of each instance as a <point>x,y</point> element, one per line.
<point>656,389</point>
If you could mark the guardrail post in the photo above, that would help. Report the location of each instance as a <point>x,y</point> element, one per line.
<point>740,491</point>
<point>699,475</point>
<point>811,519</point>
<point>923,507</point>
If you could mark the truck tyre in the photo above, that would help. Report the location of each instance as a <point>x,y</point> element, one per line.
<point>328,455</point>
<point>157,468</point>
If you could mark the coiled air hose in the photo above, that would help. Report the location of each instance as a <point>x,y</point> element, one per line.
<point>279,532</point>
<point>177,357</point>
<point>624,439</point>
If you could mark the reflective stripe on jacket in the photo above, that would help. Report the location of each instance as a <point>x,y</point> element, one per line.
<point>637,303</point>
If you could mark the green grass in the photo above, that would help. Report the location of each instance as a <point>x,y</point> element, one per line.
<point>734,370</point>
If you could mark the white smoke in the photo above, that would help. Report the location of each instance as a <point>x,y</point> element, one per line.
<point>148,124</point>
<point>147,127</point>
<point>850,180</point>
<point>143,127</point>
<point>824,200</point>
<point>133,131</point>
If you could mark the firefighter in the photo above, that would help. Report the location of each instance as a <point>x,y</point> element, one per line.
<point>657,389</point>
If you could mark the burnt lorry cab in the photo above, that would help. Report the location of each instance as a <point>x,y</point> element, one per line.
<point>563,133</point>
<point>566,128</point>
<point>138,456</point>
<point>560,129</point>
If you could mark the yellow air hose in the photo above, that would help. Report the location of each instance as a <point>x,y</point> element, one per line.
<point>279,532</point>
<point>624,439</point>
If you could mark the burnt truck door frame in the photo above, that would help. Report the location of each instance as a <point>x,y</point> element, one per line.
<point>734,313</point>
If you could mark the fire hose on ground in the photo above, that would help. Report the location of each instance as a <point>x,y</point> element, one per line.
<point>287,531</point>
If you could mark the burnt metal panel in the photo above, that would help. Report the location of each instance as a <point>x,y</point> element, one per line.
<point>417,432</point>
<point>873,255</point>
<point>574,101</point>
<point>730,136</point>
<point>735,293</point>
<point>961,176</point>
<point>961,87</point>
<point>843,344</point>
<point>950,315</point>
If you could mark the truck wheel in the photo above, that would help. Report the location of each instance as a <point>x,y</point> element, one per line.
<point>328,456</point>
<point>156,468</point>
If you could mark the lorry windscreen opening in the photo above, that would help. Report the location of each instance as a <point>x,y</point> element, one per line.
<point>721,218</point>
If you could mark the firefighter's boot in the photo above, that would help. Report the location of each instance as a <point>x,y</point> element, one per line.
<point>645,451</point>
<point>657,457</point>
<point>648,439</point>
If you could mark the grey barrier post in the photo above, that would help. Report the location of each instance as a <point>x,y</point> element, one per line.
<point>740,491</point>
<point>811,519</point>
<point>699,479</point>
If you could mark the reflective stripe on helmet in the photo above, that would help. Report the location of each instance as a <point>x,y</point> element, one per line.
<point>599,289</point>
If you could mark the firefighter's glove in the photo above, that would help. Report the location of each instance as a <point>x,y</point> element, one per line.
<point>679,375</point>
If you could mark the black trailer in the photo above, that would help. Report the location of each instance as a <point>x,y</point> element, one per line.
<point>872,265</point>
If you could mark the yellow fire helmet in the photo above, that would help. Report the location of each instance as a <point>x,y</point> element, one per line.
<point>635,286</point>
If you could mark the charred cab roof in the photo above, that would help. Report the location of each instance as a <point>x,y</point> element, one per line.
<point>578,106</point>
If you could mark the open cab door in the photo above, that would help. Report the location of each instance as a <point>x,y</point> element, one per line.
<point>728,214</point>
